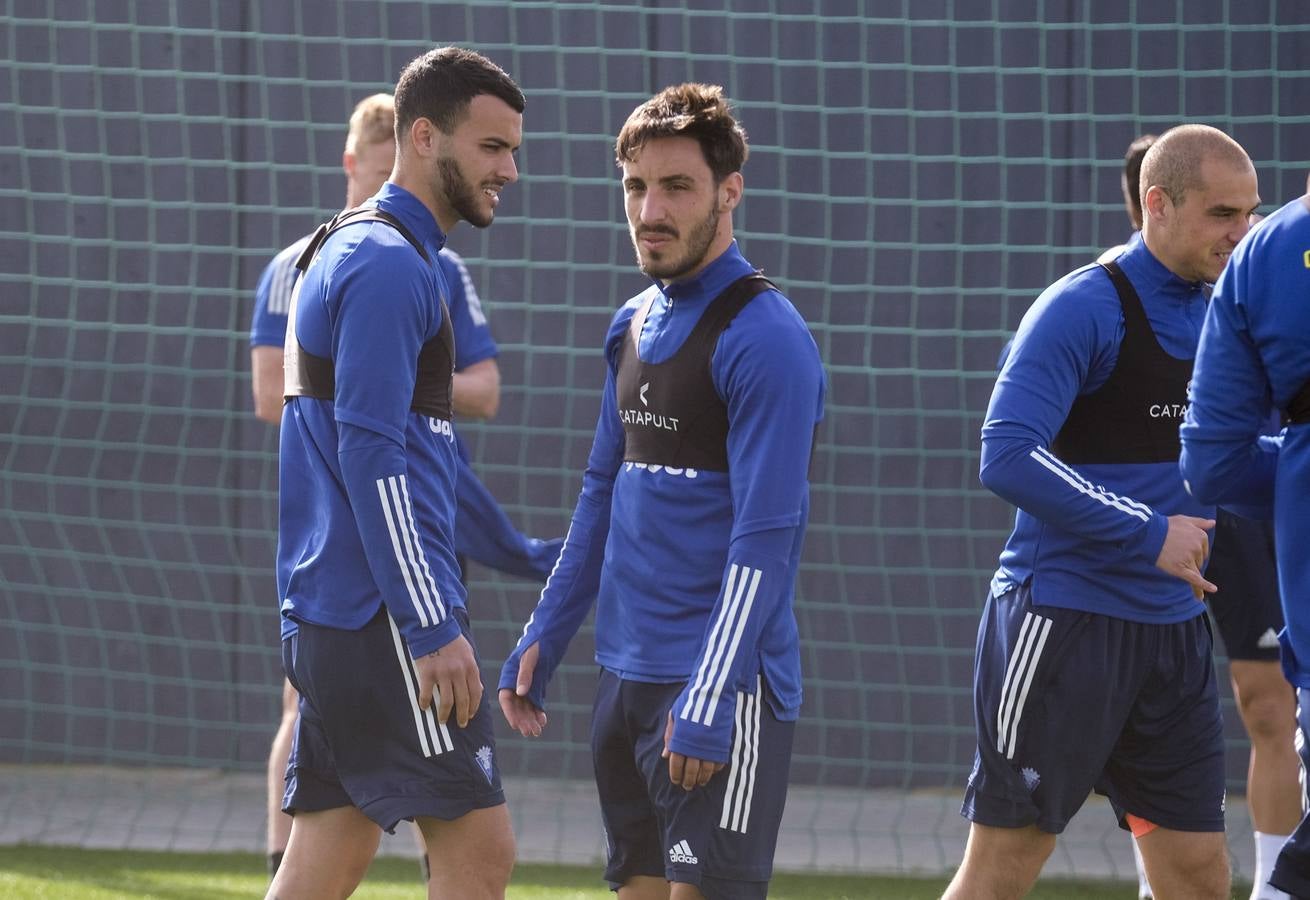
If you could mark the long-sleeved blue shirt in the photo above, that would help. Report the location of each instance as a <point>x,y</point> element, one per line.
<point>367,485</point>
<point>483,531</point>
<point>693,572</point>
<point>1087,537</point>
<point>1254,357</point>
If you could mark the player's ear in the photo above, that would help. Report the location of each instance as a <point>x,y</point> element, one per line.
<point>423,136</point>
<point>730,189</point>
<point>1155,202</point>
<point>348,163</point>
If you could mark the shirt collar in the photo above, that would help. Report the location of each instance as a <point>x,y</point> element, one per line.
<point>416,217</point>
<point>711,280</point>
<point>1140,263</point>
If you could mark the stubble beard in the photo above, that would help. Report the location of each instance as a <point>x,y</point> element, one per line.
<point>461,195</point>
<point>698,244</point>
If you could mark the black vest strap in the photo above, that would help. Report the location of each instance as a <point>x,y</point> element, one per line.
<point>349,217</point>
<point>1134,315</point>
<point>308,375</point>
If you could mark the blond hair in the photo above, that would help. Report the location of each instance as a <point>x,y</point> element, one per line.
<point>373,122</point>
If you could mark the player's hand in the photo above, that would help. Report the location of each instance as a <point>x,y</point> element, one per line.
<point>452,674</point>
<point>519,711</point>
<point>1185,548</point>
<point>687,771</point>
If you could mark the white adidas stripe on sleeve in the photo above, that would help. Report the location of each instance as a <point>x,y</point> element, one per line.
<point>1124,504</point>
<point>431,595</point>
<point>409,554</point>
<point>725,637</point>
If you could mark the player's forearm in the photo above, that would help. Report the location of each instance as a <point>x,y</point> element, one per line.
<point>476,391</point>
<point>756,581</point>
<point>266,383</point>
<point>1224,458</point>
<point>376,483</point>
<point>1232,470</point>
<point>1029,476</point>
<point>570,591</point>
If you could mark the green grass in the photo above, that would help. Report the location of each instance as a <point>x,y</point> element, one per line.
<point>53,873</point>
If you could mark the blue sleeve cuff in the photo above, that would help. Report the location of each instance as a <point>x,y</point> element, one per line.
<point>698,742</point>
<point>468,356</point>
<point>267,339</point>
<point>509,673</point>
<point>428,640</point>
<point>1156,531</point>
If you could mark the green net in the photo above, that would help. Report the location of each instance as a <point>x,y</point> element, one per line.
<point>919,171</point>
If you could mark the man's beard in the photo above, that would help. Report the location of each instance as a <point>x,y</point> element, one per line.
<point>698,245</point>
<point>461,195</point>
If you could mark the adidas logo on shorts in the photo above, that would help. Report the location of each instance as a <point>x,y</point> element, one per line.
<point>681,853</point>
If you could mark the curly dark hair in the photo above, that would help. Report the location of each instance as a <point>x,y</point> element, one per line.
<point>691,110</point>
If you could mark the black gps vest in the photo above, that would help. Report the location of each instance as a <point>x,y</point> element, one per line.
<point>1134,416</point>
<point>672,415</point>
<point>307,375</point>
<point>1298,408</point>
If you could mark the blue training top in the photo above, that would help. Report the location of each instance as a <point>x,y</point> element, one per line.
<point>367,485</point>
<point>693,572</point>
<point>1254,357</point>
<point>1088,537</point>
<point>483,532</point>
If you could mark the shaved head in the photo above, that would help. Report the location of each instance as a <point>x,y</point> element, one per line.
<point>1199,190</point>
<point>1173,163</point>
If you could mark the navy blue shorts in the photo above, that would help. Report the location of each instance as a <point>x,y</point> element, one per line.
<point>361,739</point>
<point>1292,871</point>
<point>1067,702</point>
<point>1247,609</point>
<point>720,837</point>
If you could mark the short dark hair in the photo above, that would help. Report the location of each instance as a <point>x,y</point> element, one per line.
<point>691,110</point>
<point>1132,182</point>
<point>440,84</point>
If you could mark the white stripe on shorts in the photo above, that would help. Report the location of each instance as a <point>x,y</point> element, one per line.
<point>1018,679</point>
<point>744,760</point>
<point>433,736</point>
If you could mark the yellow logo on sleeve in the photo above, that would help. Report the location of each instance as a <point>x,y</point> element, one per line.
<point>1306,259</point>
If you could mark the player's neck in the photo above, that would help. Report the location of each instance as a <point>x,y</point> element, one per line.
<point>421,188</point>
